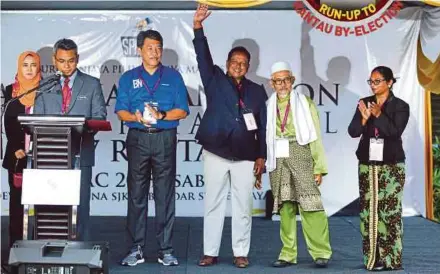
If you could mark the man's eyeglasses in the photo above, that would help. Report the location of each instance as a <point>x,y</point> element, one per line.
<point>375,82</point>
<point>286,81</point>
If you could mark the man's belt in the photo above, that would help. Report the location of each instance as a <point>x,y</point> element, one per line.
<point>149,130</point>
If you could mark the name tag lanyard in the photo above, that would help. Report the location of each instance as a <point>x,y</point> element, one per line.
<point>248,116</point>
<point>284,121</point>
<point>376,130</point>
<point>240,91</point>
<point>243,106</point>
<point>376,146</point>
<point>156,85</point>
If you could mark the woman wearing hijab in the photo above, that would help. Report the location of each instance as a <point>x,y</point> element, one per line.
<point>28,77</point>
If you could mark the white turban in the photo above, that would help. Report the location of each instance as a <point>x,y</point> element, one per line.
<point>280,66</point>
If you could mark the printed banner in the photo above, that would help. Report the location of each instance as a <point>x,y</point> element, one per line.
<point>332,70</point>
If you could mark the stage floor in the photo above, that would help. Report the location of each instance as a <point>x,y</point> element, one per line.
<point>421,247</point>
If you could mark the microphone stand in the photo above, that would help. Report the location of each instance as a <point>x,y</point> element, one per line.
<point>4,106</point>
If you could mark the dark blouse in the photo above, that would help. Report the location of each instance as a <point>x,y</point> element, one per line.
<point>14,133</point>
<point>390,125</point>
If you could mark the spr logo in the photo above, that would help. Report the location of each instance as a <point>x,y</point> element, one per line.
<point>129,43</point>
<point>347,18</point>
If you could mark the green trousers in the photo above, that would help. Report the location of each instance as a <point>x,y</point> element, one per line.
<point>315,230</point>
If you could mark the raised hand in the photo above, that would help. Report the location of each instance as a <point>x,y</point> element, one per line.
<point>365,112</point>
<point>375,109</point>
<point>200,15</point>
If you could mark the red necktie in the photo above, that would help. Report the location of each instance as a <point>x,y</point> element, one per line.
<point>67,95</point>
<point>239,87</point>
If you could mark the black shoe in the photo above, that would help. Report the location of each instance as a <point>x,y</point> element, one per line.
<point>321,262</point>
<point>379,268</point>
<point>281,263</point>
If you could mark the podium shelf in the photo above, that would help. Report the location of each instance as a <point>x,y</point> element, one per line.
<point>55,140</point>
<point>52,147</point>
<point>60,221</point>
<point>52,214</point>
<point>54,227</point>
<point>38,118</point>
<point>50,153</point>
<point>60,160</point>
<point>52,234</point>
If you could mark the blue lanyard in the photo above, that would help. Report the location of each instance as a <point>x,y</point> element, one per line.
<point>156,85</point>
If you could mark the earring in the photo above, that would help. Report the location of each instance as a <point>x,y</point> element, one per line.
<point>389,86</point>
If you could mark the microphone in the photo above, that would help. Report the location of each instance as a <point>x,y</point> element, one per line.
<point>54,77</point>
<point>49,81</point>
<point>58,74</point>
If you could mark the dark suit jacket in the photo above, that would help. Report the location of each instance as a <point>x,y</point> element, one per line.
<point>222,130</point>
<point>14,133</point>
<point>391,124</point>
<point>87,99</point>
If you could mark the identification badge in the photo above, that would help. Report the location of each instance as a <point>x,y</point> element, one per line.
<point>249,119</point>
<point>376,149</point>
<point>281,148</point>
<point>147,115</point>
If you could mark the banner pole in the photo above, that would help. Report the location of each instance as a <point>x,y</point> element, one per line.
<point>429,165</point>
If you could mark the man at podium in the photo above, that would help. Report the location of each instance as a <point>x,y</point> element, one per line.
<point>76,94</point>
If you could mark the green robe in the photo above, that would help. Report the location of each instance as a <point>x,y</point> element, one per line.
<point>293,179</point>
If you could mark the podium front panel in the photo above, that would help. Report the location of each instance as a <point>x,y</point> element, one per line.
<point>51,187</point>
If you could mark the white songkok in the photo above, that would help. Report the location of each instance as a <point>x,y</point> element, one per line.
<point>279,66</point>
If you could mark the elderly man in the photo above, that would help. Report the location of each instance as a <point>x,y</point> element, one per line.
<point>296,164</point>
